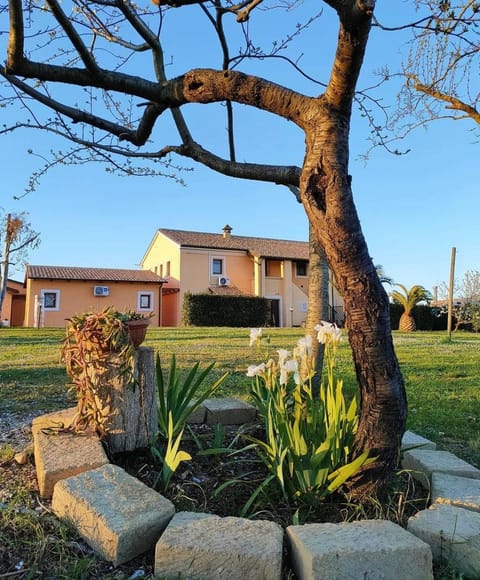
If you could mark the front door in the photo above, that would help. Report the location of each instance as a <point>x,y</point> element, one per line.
<point>274,317</point>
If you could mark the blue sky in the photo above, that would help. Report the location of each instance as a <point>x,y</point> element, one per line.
<point>413,208</point>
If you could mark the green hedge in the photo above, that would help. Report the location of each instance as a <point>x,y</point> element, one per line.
<point>216,310</point>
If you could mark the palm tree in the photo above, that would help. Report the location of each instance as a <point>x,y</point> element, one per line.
<point>408,299</point>
<point>384,279</point>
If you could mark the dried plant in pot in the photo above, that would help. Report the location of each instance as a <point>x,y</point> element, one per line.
<point>96,342</point>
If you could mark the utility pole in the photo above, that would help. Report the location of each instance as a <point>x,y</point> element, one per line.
<point>450,293</point>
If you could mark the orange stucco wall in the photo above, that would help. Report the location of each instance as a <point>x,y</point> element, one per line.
<point>77,296</point>
<point>6,308</point>
<point>14,290</point>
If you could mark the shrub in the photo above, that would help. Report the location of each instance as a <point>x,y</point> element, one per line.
<point>216,310</point>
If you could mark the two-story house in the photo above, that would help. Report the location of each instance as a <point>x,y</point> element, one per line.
<point>200,262</point>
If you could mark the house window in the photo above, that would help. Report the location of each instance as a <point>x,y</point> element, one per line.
<point>161,271</point>
<point>167,273</point>
<point>273,268</point>
<point>51,300</point>
<point>301,268</point>
<point>217,267</point>
<point>145,301</point>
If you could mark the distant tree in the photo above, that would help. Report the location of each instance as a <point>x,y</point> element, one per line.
<point>440,71</point>
<point>409,299</point>
<point>16,238</point>
<point>466,307</point>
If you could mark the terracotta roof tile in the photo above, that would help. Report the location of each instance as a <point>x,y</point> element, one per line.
<point>91,274</point>
<point>265,247</point>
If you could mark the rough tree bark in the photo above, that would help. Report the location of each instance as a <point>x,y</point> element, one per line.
<point>131,409</point>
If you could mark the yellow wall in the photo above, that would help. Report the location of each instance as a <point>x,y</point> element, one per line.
<point>163,258</point>
<point>77,296</point>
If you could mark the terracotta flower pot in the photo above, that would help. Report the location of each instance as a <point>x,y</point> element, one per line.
<point>137,330</point>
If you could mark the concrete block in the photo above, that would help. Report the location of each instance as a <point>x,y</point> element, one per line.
<point>373,549</point>
<point>460,491</point>
<point>424,462</point>
<point>60,455</point>
<point>115,513</point>
<point>198,416</point>
<point>453,534</point>
<point>411,440</point>
<point>229,412</point>
<point>208,547</point>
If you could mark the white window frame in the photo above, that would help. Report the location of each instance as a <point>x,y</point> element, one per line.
<point>220,259</point>
<point>142,293</point>
<point>57,299</point>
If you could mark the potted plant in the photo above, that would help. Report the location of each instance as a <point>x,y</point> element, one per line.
<point>137,324</point>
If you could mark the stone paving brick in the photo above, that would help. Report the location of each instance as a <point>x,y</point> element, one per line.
<point>373,549</point>
<point>229,412</point>
<point>460,491</point>
<point>116,514</point>
<point>208,547</point>
<point>453,534</point>
<point>411,440</point>
<point>61,455</point>
<point>424,462</point>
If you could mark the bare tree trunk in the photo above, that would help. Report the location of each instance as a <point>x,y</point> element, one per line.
<point>5,263</point>
<point>318,307</point>
<point>327,197</point>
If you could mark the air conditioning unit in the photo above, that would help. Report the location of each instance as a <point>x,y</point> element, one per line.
<point>101,290</point>
<point>223,281</point>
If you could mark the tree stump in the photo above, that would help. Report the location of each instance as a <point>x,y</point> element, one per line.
<point>128,409</point>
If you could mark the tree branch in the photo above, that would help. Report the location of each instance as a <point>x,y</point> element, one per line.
<point>452,102</point>
<point>280,175</point>
<point>75,39</point>
<point>355,21</point>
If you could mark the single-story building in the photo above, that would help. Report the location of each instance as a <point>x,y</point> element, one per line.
<point>55,293</point>
<point>13,306</point>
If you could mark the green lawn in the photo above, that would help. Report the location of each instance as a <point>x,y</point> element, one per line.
<point>442,378</point>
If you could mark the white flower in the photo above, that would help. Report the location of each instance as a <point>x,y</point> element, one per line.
<point>255,335</point>
<point>283,354</point>
<point>304,347</point>
<point>288,367</point>
<point>256,370</point>
<point>326,330</point>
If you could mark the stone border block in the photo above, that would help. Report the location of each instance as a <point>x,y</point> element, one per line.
<point>373,549</point>
<point>208,547</point>
<point>459,491</point>
<point>115,513</point>
<point>198,416</point>
<point>411,440</point>
<point>453,534</point>
<point>424,462</point>
<point>61,455</point>
<point>229,412</point>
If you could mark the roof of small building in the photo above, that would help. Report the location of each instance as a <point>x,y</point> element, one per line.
<point>264,247</point>
<point>92,274</point>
